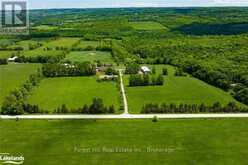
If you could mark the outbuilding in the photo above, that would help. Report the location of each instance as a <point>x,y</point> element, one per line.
<point>12,59</point>
<point>145,69</point>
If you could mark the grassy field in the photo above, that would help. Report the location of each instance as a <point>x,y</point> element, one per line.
<point>175,90</point>
<point>14,75</point>
<point>180,142</point>
<point>63,42</point>
<point>92,56</point>
<point>85,44</point>
<point>74,92</point>
<point>24,44</point>
<point>45,27</point>
<point>148,25</point>
<point>6,42</point>
<point>40,52</point>
<point>6,54</point>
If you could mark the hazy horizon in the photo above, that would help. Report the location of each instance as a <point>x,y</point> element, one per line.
<point>78,4</point>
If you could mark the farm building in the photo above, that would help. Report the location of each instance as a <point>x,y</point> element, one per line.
<point>145,69</point>
<point>12,59</point>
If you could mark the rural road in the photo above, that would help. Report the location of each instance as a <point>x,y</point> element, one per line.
<point>127,116</point>
<point>123,93</point>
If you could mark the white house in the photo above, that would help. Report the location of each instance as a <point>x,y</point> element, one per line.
<point>145,69</point>
<point>12,59</point>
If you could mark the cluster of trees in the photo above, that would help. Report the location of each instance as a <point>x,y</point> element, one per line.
<point>97,107</point>
<point>180,72</point>
<point>62,70</point>
<point>208,75</point>
<point>40,59</point>
<point>145,80</point>
<point>3,61</point>
<point>14,104</point>
<point>111,71</point>
<point>241,93</point>
<point>132,68</point>
<point>102,47</point>
<point>165,71</point>
<point>194,108</point>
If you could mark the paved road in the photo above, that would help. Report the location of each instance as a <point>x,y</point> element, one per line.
<point>123,93</point>
<point>127,116</point>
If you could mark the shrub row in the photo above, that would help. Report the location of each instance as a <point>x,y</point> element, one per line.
<point>97,107</point>
<point>13,104</point>
<point>194,108</point>
<point>145,80</point>
<point>61,70</point>
<point>3,61</point>
<point>40,59</point>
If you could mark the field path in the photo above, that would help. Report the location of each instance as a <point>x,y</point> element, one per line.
<point>123,93</point>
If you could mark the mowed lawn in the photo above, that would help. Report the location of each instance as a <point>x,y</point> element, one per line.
<point>13,76</point>
<point>132,142</point>
<point>147,25</point>
<point>186,90</point>
<point>92,56</point>
<point>74,92</point>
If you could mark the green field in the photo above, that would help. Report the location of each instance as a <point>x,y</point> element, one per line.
<point>14,75</point>
<point>63,42</point>
<point>74,92</point>
<point>85,44</point>
<point>176,90</point>
<point>6,42</point>
<point>6,54</point>
<point>179,142</point>
<point>24,44</point>
<point>45,27</point>
<point>92,56</point>
<point>148,25</point>
<point>40,52</point>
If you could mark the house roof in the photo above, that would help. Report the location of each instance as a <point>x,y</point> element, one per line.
<point>145,69</point>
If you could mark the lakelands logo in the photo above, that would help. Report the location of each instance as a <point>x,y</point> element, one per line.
<point>14,17</point>
<point>6,158</point>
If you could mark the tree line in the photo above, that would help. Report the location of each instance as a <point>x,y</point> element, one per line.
<point>153,108</point>
<point>96,107</point>
<point>40,59</point>
<point>62,70</point>
<point>3,61</point>
<point>14,103</point>
<point>145,80</point>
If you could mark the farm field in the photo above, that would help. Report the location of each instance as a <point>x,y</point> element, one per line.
<point>74,92</point>
<point>186,90</point>
<point>40,52</point>
<point>136,142</point>
<point>91,56</point>
<point>6,42</point>
<point>149,25</point>
<point>6,54</point>
<point>63,42</point>
<point>24,44</point>
<point>85,44</point>
<point>45,27</point>
<point>14,75</point>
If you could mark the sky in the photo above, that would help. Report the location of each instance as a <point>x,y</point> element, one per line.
<point>44,4</point>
